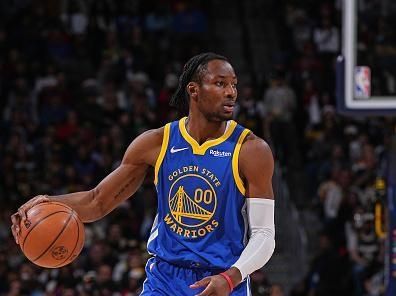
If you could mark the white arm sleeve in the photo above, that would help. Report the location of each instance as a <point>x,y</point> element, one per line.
<point>261,243</point>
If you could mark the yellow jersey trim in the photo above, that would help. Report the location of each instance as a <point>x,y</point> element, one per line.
<point>235,163</point>
<point>201,149</point>
<point>164,147</point>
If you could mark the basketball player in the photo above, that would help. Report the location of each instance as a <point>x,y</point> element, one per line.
<point>215,220</point>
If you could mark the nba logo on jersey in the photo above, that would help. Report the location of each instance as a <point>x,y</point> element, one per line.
<point>362,82</point>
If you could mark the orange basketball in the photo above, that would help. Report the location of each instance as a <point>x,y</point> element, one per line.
<point>52,236</point>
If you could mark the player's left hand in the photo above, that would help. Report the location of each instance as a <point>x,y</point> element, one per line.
<point>215,285</point>
<point>21,215</point>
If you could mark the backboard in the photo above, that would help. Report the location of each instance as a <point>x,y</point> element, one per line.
<point>362,75</point>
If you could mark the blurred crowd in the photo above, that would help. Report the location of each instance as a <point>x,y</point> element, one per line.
<point>80,79</point>
<point>344,158</point>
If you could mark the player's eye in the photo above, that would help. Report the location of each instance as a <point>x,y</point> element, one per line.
<point>219,83</point>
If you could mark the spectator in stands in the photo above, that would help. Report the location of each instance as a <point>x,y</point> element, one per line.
<point>260,283</point>
<point>250,111</point>
<point>276,290</point>
<point>279,105</point>
<point>363,247</point>
<point>325,278</point>
<point>327,38</point>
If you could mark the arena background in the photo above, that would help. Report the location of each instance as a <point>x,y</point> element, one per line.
<point>79,79</point>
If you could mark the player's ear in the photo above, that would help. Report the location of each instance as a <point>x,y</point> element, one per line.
<point>192,90</point>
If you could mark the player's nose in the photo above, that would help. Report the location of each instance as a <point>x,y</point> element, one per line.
<point>230,91</point>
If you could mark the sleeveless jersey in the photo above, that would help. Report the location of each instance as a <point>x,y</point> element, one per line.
<point>201,220</point>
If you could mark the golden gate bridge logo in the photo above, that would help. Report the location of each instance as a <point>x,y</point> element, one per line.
<point>192,211</point>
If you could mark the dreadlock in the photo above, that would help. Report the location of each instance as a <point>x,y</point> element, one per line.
<point>192,71</point>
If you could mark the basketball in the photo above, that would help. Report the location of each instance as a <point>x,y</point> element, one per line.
<point>52,236</point>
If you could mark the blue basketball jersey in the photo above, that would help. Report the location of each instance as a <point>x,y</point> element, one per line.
<point>201,220</point>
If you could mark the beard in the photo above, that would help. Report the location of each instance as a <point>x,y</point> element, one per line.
<point>217,116</point>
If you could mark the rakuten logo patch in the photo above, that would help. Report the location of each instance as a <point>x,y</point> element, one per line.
<point>218,153</point>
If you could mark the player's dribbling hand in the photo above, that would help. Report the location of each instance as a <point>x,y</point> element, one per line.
<point>21,215</point>
<point>215,285</point>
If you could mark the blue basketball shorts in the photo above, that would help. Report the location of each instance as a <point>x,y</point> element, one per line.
<point>165,279</point>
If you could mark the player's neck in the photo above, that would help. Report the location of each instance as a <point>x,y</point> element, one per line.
<point>203,130</point>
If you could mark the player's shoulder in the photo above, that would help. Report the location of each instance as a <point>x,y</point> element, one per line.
<point>254,147</point>
<point>146,147</point>
<point>156,134</point>
<point>253,141</point>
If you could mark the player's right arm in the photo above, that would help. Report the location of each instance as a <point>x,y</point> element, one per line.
<point>119,185</point>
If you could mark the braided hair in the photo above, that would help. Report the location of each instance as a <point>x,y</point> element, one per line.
<point>193,70</point>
